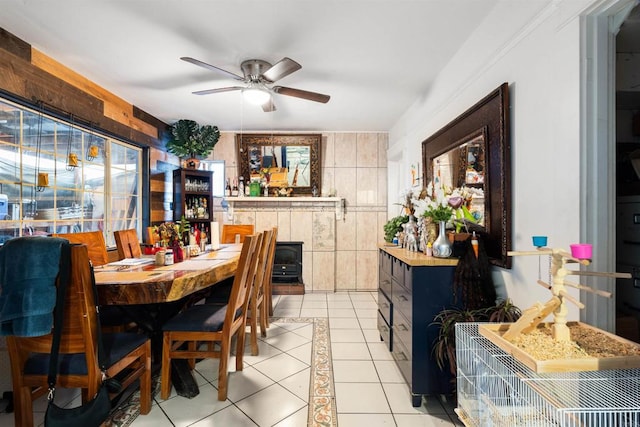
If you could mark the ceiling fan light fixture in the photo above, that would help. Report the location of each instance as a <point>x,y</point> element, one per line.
<point>256,94</point>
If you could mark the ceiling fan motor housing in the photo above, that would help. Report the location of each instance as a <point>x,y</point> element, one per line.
<point>253,69</point>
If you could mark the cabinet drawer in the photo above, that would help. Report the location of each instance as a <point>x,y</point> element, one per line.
<point>403,301</point>
<point>403,359</point>
<point>402,330</point>
<point>397,270</point>
<point>385,262</point>
<point>386,332</point>
<point>385,308</point>
<point>384,283</point>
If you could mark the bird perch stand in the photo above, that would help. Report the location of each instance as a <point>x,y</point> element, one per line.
<point>532,316</point>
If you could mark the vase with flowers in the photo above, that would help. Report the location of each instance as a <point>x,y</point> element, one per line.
<point>435,207</point>
<point>441,214</point>
<point>170,236</point>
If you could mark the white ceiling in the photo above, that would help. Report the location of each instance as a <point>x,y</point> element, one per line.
<point>375,58</point>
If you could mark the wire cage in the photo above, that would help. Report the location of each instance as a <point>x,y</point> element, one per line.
<point>494,389</point>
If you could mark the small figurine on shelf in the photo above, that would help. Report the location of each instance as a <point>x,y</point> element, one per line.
<point>241,186</point>
<point>410,235</point>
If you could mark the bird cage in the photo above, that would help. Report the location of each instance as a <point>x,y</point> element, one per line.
<point>495,389</point>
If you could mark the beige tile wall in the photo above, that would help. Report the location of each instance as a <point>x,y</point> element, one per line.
<point>337,254</point>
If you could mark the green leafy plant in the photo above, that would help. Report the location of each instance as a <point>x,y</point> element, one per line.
<point>188,139</point>
<point>444,347</point>
<point>439,213</point>
<point>393,226</point>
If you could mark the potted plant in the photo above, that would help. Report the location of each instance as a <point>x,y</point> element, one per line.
<point>444,347</point>
<point>189,141</point>
<point>475,300</point>
<point>394,226</point>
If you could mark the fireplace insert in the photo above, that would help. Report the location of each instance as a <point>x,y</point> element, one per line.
<point>287,263</point>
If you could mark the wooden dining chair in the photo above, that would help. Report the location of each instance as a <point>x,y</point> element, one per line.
<point>94,240</point>
<point>257,303</point>
<point>152,236</point>
<point>212,324</point>
<point>268,287</point>
<point>128,354</point>
<point>127,243</point>
<point>229,232</point>
<point>112,318</point>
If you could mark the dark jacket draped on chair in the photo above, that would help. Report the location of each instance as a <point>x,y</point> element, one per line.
<point>29,267</point>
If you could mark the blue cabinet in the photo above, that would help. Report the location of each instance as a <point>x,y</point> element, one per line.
<point>420,287</point>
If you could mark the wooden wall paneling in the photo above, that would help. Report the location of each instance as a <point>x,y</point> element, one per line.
<point>30,74</point>
<point>148,118</point>
<point>14,45</point>
<point>64,97</point>
<point>114,107</point>
<point>10,80</point>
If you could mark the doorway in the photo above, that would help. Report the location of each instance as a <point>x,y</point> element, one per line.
<point>601,24</point>
<point>627,137</point>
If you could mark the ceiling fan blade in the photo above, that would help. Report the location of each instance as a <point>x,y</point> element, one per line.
<point>298,93</point>
<point>218,90</point>
<point>269,106</point>
<point>281,69</point>
<point>212,68</point>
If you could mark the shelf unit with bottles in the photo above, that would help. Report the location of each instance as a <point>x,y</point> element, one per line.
<point>192,196</point>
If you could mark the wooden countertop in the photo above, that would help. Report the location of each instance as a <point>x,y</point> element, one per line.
<point>416,259</point>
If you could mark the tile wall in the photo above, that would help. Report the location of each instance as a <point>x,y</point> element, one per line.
<point>338,254</point>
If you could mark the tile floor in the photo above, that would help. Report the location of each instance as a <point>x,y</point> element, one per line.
<point>274,388</point>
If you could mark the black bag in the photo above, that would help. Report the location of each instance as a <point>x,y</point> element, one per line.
<point>90,414</point>
<point>96,411</point>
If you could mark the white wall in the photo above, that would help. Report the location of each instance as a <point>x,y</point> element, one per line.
<point>535,47</point>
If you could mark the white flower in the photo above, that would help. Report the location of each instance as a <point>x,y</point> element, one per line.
<point>420,206</point>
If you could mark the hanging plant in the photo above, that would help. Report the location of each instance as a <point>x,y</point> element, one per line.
<point>189,140</point>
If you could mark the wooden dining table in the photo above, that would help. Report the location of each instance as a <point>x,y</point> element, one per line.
<point>152,284</point>
<point>151,294</point>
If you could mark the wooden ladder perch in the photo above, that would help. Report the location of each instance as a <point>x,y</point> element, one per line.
<point>535,314</point>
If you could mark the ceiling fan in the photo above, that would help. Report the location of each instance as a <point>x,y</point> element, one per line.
<point>257,76</point>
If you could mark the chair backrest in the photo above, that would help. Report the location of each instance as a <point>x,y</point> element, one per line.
<point>94,240</point>
<point>79,332</point>
<point>243,281</point>
<point>127,243</point>
<point>272,253</point>
<point>263,259</point>
<point>229,232</point>
<point>152,236</point>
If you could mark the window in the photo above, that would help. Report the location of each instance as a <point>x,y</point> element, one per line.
<point>57,177</point>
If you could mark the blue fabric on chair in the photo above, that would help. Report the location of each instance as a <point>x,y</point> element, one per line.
<point>116,346</point>
<point>28,270</point>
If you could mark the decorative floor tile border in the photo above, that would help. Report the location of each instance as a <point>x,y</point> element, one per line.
<point>322,398</point>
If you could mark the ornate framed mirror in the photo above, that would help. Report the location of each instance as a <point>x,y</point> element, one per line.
<point>285,161</point>
<point>474,150</point>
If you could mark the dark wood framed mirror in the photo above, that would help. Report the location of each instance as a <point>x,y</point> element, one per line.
<point>476,149</point>
<point>291,161</point>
